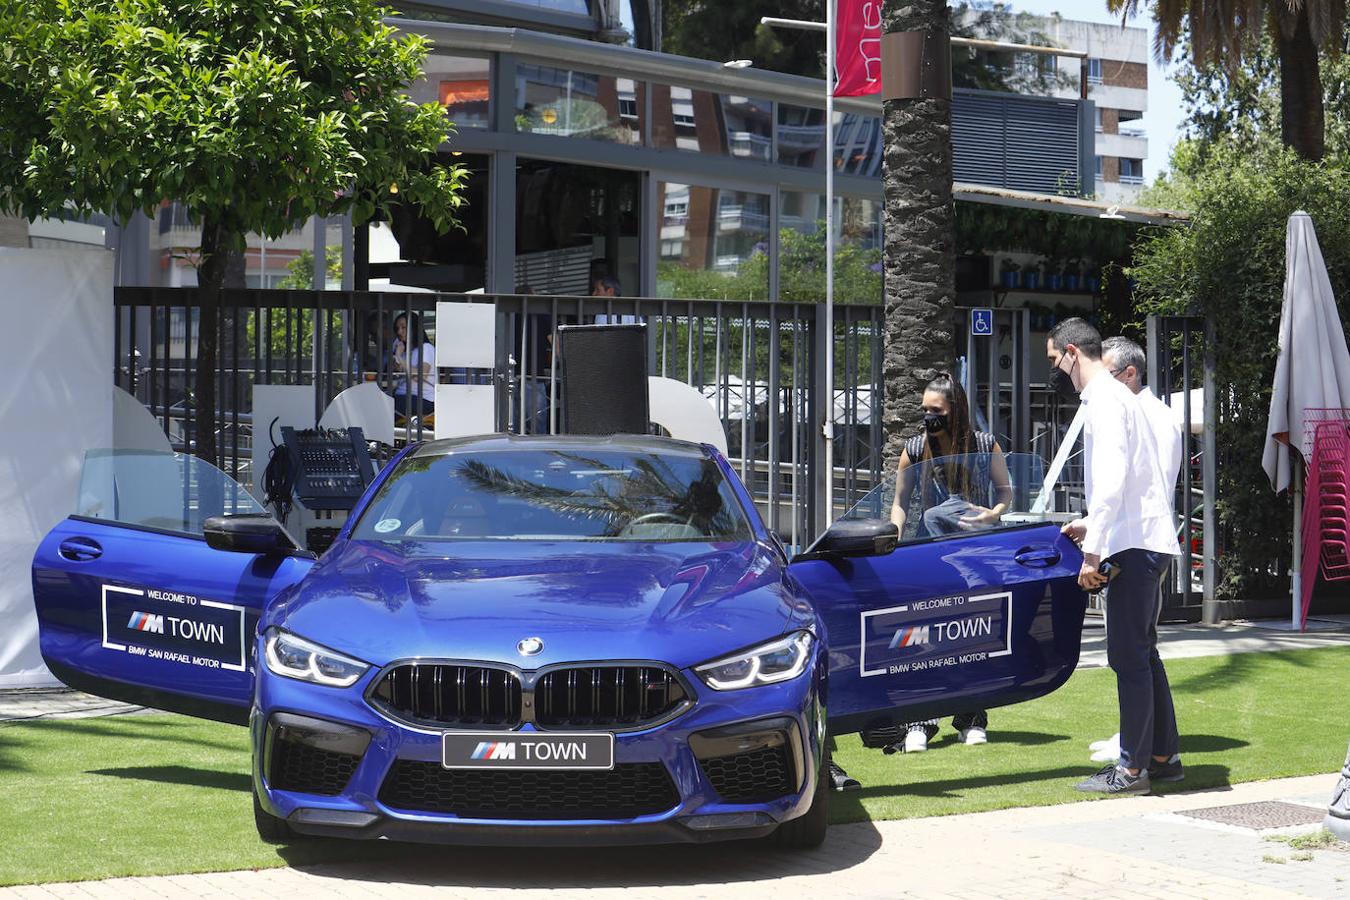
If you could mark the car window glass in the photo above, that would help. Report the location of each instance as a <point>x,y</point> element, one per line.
<point>555,495</point>
<point>166,491</point>
<point>960,494</point>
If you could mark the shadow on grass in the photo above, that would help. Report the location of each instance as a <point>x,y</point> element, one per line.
<point>1239,667</point>
<point>184,775</point>
<point>136,728</point>
<point>599,867</point>
<point>1209,743</point>
<point>999,736</point>
<point>849,804</point>
<point>1204,777</point>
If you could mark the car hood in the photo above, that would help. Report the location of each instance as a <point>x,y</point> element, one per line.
<point>681,603</point>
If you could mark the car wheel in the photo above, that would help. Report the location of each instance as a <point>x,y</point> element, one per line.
<point>808,831</point>
<point>271,829</point>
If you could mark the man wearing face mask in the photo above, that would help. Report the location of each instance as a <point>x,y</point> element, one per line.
<point>1129,525</point>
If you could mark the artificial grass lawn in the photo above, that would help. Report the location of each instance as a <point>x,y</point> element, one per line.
<point>144,795</point>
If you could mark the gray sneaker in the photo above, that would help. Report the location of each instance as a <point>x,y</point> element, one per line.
<point>1115,780</point>
<point>1166,771</point>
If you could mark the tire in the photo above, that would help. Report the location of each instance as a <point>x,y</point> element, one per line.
<point>271,829</point>
<point>806,832</point>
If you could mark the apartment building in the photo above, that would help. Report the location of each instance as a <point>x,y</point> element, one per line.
<point>1117,75</point>
<point>1117,81</point>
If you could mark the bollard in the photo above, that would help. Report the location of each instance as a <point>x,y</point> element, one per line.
<point>1338,811</point>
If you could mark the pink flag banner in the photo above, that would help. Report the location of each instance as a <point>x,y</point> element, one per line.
<point>857,51</point>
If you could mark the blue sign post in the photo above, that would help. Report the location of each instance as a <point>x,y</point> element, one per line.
<point>982,322</point>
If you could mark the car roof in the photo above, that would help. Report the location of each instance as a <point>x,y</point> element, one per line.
<point>627,443</point>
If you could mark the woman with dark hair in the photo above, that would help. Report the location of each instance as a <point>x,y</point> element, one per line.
<point>415,395</point>
<point>961,482</point>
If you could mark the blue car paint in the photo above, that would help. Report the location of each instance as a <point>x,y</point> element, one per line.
<point>666,743</point>
<point>1047,611</point>
<point>685,602</point>
<point>70,611</point>
<point>680,603</point>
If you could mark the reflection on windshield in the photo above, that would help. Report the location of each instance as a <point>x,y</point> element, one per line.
<point>956,494</point>
<point>555,495</point>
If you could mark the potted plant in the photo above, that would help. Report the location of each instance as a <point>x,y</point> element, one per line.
<point>1054,276</point>
<point>1007,274</point>
<point>1031,278</point>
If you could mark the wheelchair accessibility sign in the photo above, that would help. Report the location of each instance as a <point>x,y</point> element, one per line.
<point>982,322</point>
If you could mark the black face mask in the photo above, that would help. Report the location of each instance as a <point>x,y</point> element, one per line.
<point>934,423</point>
<point>1062,382</point>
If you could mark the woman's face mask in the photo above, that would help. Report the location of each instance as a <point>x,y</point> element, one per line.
<point>935,423</point>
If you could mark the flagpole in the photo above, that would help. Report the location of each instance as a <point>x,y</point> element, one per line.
<point>829,259</point>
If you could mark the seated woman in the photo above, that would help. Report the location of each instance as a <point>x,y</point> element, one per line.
<point>415,356</point>
<point>962,484</point>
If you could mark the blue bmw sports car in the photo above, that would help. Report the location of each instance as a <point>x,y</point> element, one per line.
<point>545,640</point>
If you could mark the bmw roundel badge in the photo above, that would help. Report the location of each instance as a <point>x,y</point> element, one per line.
<point>530,646</point>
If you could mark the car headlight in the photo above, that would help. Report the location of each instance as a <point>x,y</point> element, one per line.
<point>778,660</point>
<point>295,657</point>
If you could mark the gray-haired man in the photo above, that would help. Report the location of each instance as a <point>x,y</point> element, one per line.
<point>1124,359</point>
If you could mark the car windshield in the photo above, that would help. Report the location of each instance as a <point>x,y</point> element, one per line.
<point>555,495</point>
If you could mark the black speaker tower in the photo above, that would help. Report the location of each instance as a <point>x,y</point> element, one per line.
<point>604,379</point>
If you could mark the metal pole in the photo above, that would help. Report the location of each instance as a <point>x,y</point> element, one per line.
<point>829,262</point>
<point>1209,604</point>
<point>1297,561</point>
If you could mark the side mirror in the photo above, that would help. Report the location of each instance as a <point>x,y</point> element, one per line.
<point>250,533</point>
<point>858,537</point>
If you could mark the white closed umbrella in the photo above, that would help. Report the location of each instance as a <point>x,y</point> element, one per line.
<point>1313,372</point>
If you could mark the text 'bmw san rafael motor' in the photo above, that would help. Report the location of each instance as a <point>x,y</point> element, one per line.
<point>545,640</point>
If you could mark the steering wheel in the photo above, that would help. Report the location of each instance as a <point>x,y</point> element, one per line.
<point>647,518</point>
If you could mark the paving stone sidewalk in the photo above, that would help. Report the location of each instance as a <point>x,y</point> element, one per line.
<point>1133,847</point>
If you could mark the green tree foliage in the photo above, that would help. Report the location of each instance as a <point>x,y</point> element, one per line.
<point>1230,264</point>
<point>300,271</point>
<point>721,30</point>
<point>1000,70</point>
<point>254,114</point>
<point>1225,34</point>
<point>801,273</point>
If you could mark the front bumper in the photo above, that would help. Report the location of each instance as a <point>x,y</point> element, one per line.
<point>341,720</point>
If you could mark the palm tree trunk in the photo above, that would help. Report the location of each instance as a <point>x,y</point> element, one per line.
<point>1302,123</point>
<point>920,230</point>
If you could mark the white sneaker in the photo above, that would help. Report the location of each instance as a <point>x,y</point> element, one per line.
<point>972,736</point>
<point>1107,750</point>
<point>1112,741</point>
<point>916,740</point>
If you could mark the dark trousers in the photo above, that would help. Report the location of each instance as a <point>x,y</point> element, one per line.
<point>411,405</point>
<point>1148,723</point>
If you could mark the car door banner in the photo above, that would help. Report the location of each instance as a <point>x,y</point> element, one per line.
<point>935,633</point>
<point>175,627</point>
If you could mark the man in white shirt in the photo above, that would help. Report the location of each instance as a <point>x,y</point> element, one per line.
<point>1125,361</point>
<point>1128,526</point>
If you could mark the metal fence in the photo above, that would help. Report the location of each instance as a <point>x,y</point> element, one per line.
<point>760,364</point>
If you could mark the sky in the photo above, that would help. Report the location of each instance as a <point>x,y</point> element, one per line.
<point>1163,118</point>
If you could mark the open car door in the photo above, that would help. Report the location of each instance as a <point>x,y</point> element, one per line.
<point>132,602</point>
<point>956,616</point>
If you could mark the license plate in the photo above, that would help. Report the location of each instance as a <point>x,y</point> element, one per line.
<point>526,750</point>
